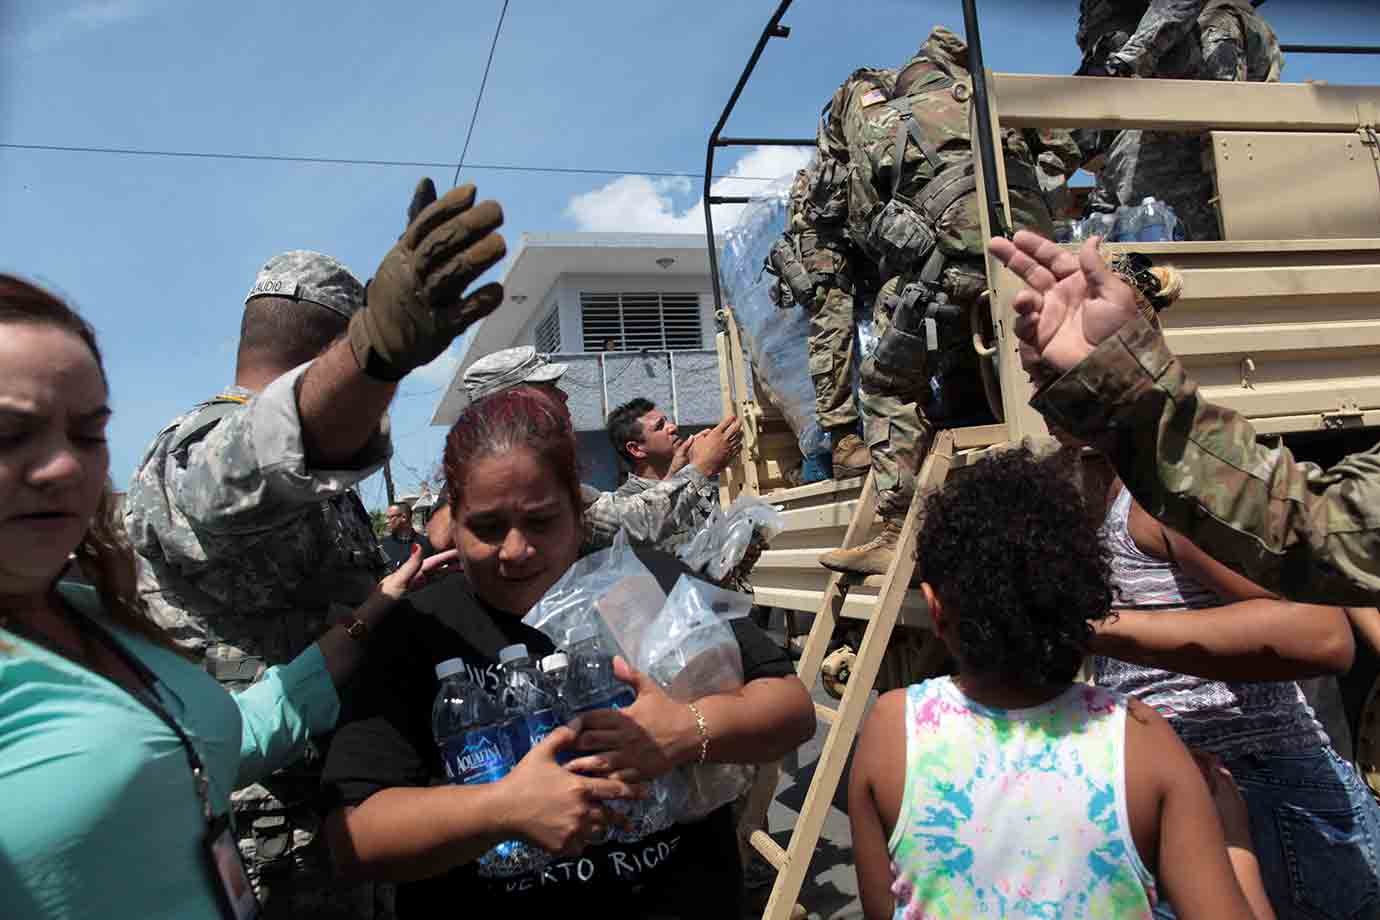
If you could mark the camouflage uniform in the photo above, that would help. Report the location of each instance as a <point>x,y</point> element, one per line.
<point>895,403</point>
<point>246,554</point>
<point>706,499</point>
<point>1313,535</point>
<point>649,517</point>
<point>824,253</point>
<point>815,222</point>
<point>1159,38</point>
<point>1238,44</point>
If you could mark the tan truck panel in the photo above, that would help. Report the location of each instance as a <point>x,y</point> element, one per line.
<point>1321,185</point>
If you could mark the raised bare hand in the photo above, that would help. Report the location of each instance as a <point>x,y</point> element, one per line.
<point>1070,304</point>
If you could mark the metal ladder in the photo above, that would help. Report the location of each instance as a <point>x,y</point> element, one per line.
<point>793,862</point>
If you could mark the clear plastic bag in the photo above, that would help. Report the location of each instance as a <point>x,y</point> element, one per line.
<point>775,337</point>
<point>692,651</point>
<point>684,642</point>
<point>610,589</point>
<point>718,547</point>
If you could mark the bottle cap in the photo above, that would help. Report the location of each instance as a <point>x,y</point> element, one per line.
<point>448,667</point>
<point>554,662</point>
<point>512,653</point>
<point>581,633</point>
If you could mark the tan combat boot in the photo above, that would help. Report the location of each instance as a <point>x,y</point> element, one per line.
<point>871,558</point>
<point>851,457</point>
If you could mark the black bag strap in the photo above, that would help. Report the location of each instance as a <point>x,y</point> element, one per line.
<point>147,695</point>
<point>207,416</point>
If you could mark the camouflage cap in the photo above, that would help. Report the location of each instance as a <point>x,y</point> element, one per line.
<point>508,368</point>
<point>301,274</point>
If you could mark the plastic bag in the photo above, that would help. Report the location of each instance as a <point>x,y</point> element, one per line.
<point>718,547</point>
<point>775,337</point>
<point>691,650</point>
<point>611,589</point>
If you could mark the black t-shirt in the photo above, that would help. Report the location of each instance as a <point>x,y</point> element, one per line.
<point>397,550</point>
<point>385,740</point>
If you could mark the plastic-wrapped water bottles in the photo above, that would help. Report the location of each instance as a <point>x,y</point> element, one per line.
<point>470,730</point>
<point>1151,221</point>
<point>1157,222</point>
<point>528,702</point>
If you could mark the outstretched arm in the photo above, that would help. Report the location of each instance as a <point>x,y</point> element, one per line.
<point>416,306</point>
<point>1310,534</point>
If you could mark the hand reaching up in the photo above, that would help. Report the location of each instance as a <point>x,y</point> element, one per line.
<point>1070,304</point>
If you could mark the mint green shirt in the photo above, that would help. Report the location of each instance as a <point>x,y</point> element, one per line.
<point>98,813</point>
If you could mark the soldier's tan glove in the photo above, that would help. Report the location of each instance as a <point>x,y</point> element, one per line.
<point>416,303</point>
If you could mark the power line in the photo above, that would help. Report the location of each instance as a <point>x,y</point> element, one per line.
<point>479,97</point>
<point>351,161</point>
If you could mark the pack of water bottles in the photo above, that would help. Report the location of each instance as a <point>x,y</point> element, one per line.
<point>483,737</point>
<point>1151,221</point>
<point>684,642</point>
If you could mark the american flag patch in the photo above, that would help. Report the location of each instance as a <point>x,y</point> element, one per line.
<point>873,96</point>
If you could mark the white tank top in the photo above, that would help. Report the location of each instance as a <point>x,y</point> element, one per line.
<point>1016,813</point>
<point>1229,719</point>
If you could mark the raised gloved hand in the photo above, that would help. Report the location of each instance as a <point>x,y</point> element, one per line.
<point>416,304</point>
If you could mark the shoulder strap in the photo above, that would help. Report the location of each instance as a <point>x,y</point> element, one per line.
<point>906,126</point>
<point>206,417</point>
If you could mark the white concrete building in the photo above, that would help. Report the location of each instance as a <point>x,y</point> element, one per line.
<point>631,313</point>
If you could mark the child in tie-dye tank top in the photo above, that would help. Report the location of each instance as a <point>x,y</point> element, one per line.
<point>1008,790</point>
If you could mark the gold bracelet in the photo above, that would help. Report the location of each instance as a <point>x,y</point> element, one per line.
<point>703,729</point>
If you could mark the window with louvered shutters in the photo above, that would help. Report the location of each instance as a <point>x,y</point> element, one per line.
<point>546,338</point>
<point>632,321</point>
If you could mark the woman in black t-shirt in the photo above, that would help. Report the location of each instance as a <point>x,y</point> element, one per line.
<point>511,472</point>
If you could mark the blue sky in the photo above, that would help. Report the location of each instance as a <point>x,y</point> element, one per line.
<point>158,252</point>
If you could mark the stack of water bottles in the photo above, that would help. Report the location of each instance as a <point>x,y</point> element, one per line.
<point>482,738</point>
<point>1151,221</point>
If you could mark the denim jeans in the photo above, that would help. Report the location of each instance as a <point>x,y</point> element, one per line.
<point>1316,832</point>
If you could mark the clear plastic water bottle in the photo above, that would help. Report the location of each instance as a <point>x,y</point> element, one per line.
<point>553,669</point>
<point>1099,223</point>
<point>590,684</point>
<point>1126,228</point>
<point>589,680</point>
<point>469,729</point>
<point>1159,223</point>
<point>528,703</point>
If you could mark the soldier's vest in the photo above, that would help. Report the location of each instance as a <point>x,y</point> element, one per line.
<point>809,253</point>
<point>919,152</point>
<point>311,602</point>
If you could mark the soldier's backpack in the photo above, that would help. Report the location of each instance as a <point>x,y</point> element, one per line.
<point>926,131</point>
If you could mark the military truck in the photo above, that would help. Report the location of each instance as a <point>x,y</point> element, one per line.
<point>1280,321</point>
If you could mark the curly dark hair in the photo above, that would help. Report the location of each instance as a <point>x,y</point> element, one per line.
<point>1008,548</point>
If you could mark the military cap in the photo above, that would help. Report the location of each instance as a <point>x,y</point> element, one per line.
<point>508,368</point>
<point>301,274</point>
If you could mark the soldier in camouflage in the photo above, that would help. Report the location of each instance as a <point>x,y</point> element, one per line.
<point>830,277</point>
<point>244,548</point>
<point>1158,38</point>
<point>1310,534</point>
<point>917,220</point>
<point>650,444</point>
<point>1169,39</point>
<point>1238,44</point>
<point>249,535</point>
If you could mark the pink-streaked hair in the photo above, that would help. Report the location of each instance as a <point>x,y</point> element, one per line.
<point>523,417</point>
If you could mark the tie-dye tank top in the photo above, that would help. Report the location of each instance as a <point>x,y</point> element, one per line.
<point>1016,813</point>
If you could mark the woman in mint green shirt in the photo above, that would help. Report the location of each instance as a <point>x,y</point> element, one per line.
<point>102,718</point>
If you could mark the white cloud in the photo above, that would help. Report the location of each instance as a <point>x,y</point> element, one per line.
<point>90,16</point>
<point>641,204</point>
